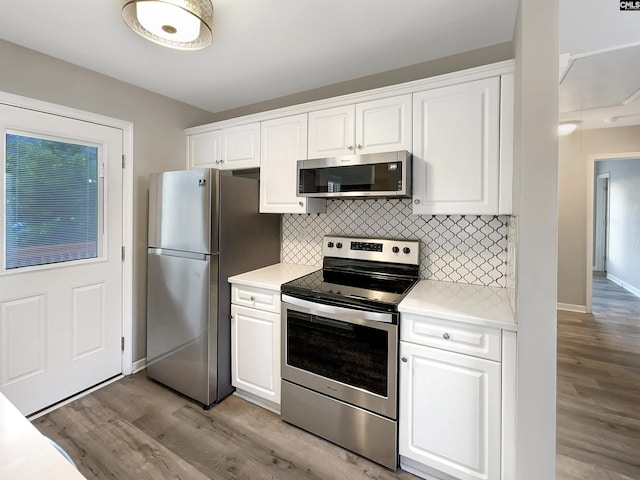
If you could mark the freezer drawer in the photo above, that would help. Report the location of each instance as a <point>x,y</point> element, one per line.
<point>179,322</point>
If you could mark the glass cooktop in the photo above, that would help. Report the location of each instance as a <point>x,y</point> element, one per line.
<point>350,290</point>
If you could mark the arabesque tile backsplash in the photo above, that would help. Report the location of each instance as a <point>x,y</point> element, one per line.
<point>456,248</point>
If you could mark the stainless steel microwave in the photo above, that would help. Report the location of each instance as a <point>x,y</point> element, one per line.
<point>374,175</point>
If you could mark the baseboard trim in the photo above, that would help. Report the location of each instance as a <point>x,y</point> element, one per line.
<point>625,285</point>
<point>139,365</point>
<point>572,308</point>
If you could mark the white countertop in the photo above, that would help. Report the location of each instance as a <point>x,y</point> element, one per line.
<point>25,453</point>
<point>461,302</point>
<point>273,276</point>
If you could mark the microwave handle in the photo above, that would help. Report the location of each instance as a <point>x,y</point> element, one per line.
<point>348,315</point>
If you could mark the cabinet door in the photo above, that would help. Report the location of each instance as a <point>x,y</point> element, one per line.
<point>203,149</point>
<point>241,147</point>
<point>255,350</point>
<point>331,132</point>
<point>450,408</point>
<point>384,125</point>
<point>283,142</point>
<point>456,134</point>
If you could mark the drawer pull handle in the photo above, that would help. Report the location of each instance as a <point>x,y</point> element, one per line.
<point>253,299</point>
<point>445,336</point>
<point>404,359</point>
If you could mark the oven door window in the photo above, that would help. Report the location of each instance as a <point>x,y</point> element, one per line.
<point>352,354</point>
<point>376,177</point>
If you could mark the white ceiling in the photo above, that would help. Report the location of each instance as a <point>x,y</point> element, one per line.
<point>600,68</point>
<point>262,49</point>
<point>265,49</point>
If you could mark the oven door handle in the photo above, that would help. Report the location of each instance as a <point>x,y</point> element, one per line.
<point>345,314</point>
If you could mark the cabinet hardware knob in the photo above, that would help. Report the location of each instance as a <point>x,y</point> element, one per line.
<point>301,204</point>
<point>350,147</point>
<point>359,147</point>
<point>445,336</point>
<point>404,359</point>
<point>230,317</point>
<point>253,298</point>
<point>217,162</point>
<point>416,201</point>
<point>221,161</point>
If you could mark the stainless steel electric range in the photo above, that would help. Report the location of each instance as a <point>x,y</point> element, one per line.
<point>340,344</point>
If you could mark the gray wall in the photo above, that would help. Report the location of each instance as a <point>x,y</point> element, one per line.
<point>535,205</point>
<point>573,160</point>
<point>159,141</point>
<point>624,219</point>
<point>474,58</point>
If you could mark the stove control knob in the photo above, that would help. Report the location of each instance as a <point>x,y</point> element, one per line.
<point>330,244</point>
<point>338,245</point>
<point>406,250</point>
<point>395,249</point>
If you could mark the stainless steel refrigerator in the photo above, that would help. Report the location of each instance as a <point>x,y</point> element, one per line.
<point>204,226</point>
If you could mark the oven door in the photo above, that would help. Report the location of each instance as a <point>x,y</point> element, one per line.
<point>347,354</point>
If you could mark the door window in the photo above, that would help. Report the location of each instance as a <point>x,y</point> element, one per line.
<point>53,194</point>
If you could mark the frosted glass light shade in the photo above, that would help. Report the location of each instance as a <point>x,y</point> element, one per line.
<point>566,128</point>
<point>180,24</point>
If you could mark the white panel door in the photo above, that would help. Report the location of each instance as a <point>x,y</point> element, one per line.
<point>60,256</point>
<point>332,132</point>
<point>283,142</point>
<point>456,154</point>
<point>240,147</point>
<point>204,149</point>
<point>384,125</point>
<point>450,412</point>
<point>255,347</point>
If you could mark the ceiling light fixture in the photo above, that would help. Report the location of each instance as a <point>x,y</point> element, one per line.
<point>565,128</point>
<point>179,24</point>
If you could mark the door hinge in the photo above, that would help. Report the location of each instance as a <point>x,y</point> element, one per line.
<point>122,343</point>
<point>101,171</point>
<point>122,253</point>
<point>123,157</point>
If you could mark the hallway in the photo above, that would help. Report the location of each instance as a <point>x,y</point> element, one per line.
<point>598,401</point>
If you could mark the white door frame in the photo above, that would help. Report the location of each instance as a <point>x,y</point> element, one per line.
<point>127,202</point>
<point>601,226</point>
<point>591,164</point>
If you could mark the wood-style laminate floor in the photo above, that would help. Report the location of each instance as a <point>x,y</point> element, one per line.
<point>136,429</point>
<point>598,418</point>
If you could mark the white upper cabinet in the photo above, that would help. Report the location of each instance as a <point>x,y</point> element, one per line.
<point>284,141</point>
<point>203,149</point>
<point>457,150</point>
<point>458,126</point>
<point>369,127</point>
<point>227,149</point>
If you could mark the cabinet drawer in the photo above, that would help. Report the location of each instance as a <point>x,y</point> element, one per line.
<point>267,300</point>
<point>479,341</point>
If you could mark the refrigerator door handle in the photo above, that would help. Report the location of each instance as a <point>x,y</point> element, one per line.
<point>177,253</point>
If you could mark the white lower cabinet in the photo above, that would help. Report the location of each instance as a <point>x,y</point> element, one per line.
<point>450,414</point>
<point>255,349</point>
